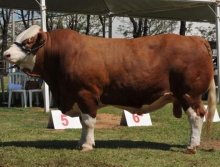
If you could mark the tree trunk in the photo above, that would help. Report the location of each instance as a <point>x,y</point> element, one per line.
<point>102,20</point>
<point>23,17</point>
<point>182,28</point>
<point>32,17</point>
<point>88,24</point>
<point>76,22</point>
<point>140,25</point>
<point>6,13</point>
<point>135,27</point>
<point>145,28</point>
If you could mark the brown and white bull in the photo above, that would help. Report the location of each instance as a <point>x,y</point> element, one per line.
<point>140,75</point>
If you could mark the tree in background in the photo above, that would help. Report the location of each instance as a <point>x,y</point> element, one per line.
<point>208,33</point>
<point>4,24</point>
<point>54,21</point>
<point>96,25</point>
<point>103,23</point>
<point>136,27</point>
<point>84,24</point>
<point>183,28</point>
<point>27,17</point>
<point>140,27</point>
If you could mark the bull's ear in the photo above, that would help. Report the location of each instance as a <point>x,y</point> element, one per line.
<point>41,37</point>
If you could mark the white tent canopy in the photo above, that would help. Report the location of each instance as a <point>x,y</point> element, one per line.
<point>186,10</point>
<point>189,10</point>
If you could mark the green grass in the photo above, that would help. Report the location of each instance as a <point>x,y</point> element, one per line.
<point>25,141</point>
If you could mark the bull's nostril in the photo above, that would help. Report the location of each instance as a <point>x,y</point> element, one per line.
<point>8,56</point>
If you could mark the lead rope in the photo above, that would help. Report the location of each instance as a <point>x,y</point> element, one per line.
<point>14,66</point>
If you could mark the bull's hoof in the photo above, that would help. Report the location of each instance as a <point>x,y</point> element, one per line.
<point>190,150</point>
<point>86,149</point>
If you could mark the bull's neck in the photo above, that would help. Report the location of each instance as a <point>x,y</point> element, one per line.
<point>45,63</point>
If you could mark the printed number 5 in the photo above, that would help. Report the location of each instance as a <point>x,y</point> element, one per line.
<point>64,120</point>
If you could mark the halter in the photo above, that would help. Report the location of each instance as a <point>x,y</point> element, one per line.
<point>14,66</point>
<point>28,50</point>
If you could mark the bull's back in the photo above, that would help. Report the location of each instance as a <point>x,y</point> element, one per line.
<point>144,68</point>
<point>147,57</point>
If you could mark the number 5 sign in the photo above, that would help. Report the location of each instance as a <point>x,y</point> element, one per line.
<point>62,121</point>
<point>129,119</point>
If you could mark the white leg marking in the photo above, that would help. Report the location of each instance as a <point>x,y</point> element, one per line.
<point>87,140</point>
<point>196,128</point>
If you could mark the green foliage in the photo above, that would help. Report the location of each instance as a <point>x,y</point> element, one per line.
<point>77,22</point>
<point>208,33</point>
<point>25,141</point>
<point>151,26</point>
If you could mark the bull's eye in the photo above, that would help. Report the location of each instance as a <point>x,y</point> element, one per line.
<point>30,40</point>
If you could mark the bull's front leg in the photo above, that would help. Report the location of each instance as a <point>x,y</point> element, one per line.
<point>196,128</point>
<point>87,140</point>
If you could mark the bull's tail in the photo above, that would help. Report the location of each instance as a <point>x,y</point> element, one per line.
<point>211,108</point>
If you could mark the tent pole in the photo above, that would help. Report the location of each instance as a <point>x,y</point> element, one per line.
<point>13,37</point>
<point>43,25</point>
<point>13,25</point>
<point>43,15</point>
<point>218,45</point>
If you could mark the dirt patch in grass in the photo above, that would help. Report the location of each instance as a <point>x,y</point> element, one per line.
<point>110,121</point>
<point>210,145</point>
<point>107,121</point>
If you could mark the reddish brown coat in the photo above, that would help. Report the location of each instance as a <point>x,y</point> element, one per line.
<point>126,72</point>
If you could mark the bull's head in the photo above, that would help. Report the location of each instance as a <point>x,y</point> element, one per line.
<point>23,51</point>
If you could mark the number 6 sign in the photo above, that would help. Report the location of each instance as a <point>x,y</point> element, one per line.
<point>135,120</point>
<point>62,121</point>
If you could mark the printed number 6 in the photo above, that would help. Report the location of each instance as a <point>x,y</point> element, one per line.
<point>64,120</point>
<point>136,118</point>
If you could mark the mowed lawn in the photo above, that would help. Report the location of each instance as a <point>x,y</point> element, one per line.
<point>25,141</point>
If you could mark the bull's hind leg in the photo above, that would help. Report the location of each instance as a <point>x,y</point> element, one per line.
<point>87,140</point>
<point>196,128</point>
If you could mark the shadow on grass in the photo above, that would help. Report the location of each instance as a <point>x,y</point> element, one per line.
<point>109,144</point>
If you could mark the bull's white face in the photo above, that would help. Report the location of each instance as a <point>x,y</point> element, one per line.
<point>16,55</point>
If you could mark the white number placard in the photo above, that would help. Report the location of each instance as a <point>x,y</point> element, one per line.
<point>62,121</point>
<point>216,116</point>
<point>129,119</point>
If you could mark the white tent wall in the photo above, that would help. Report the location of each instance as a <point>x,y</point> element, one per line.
<point>186,10</point>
